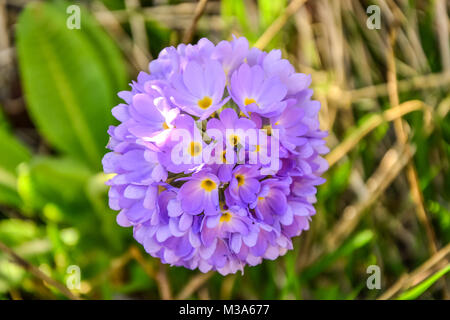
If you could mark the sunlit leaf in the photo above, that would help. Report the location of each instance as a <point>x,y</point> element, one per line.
<point>60,181</point>
<point>16,153</point>
<point>70,78</point>
<point>418,290</point>
<point>14,231</point>
<point>354,243</point>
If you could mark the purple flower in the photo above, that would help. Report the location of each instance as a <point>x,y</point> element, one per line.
<point>233,221</point>
<point>291,128</point>
<point>230,123</point>
<point>233,135</point>
<point>188,158</point>
<point>199,89</point>
<point>244,185</point>
<point>253,92</point>
<point>184,147</point>
<point>231,54</point>
<point>153,118</point>
<point>275,66</point>
<point>200,194</point>
<point>271,203</point>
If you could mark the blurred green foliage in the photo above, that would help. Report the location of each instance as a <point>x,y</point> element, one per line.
<point>54,207</point>
<point>238,14</point>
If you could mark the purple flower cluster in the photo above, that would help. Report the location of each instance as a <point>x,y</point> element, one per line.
<point>212,208</point>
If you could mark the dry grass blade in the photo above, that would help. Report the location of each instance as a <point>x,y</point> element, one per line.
<point>135,55</point>
<point>422,82</point>
<point>188,36</point>
<point>159,276</point>
<point>175,16</point>
<point>409,280</point>
<point>116,267</point>
<point>193,285</point>
<point>163,283</point>
<point>37,273</point>
<point>6,53</point>
<point>227,287</point>
<point>4,37</point>
<point>278,24</point>
<point>402,137</point>
<point>351,141</point>
<point>392,163</point>
<point>442,27</point>
<point>138,31</point>
<point>394,160</point>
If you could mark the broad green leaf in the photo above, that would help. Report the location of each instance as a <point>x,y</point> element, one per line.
<point>47,180</point>
<point>70,79</point>
<point>63,190</point>
<point>96,191</point>
<point>105,48</point>
<point>418,290</point>
<point>13,153</point>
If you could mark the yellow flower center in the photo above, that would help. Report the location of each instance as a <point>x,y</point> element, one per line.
<point>268,127</point>
<point>204,103</point>
<point>208,185</point>
<point>241,114</point>
<point>224,156</point>
<point>240,179</point>
<point>165,126</point>
<point>226,216</point>
<point>248,101</point>
<point>260,198</point>
<point>234,139</point>
<point>257,148</point>
<point>194,148</point>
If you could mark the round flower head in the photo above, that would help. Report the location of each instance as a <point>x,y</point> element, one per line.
<point>217,156</point>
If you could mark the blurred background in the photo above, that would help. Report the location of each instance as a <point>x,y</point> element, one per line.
<point>381,70</point>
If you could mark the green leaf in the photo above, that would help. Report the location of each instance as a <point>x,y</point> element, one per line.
<point>358,241</point>
<point>292,284</point>
<point>16,153</point>
<point>11,275</point>
<point>269,10</point>
<point>60,181</point>
<point>70,79</point>
<point>14,232</point>
<point>235,13</point>
<point>4,125</point>
<point>105,49</point>
<point>418,290</point>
